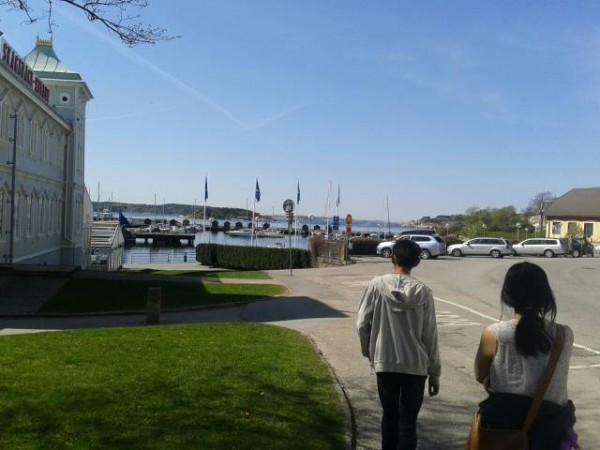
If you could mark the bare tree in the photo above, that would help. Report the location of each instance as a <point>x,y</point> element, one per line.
<point>112,14</point>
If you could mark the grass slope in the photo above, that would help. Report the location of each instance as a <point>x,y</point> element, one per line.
<point>208,386</point>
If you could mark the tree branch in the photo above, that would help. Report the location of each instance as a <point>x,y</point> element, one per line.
<point>112,14</point>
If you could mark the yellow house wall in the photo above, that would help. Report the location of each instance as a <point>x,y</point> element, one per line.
<point>564,228</point>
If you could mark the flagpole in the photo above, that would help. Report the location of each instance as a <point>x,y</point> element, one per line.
<point>387,205</point>
<point>256,199</point>
<point>253,215</point>
<point>296,217</point>
<point>328,211</point>
<point>204,216</point>
<point>337,204</point>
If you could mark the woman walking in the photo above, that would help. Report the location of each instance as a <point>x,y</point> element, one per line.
<point>513,355</point>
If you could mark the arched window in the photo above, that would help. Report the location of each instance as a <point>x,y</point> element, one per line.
<point>28,215</point>
<point>17,219</point>
<point>3,215</point>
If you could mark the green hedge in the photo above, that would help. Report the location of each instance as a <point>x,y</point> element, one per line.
<point>364,247</point>
<point>251,258</point>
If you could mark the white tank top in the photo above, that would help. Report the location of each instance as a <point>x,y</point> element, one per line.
<point>512,373</point>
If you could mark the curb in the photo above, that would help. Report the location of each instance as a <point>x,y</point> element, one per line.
<point>349,415</point>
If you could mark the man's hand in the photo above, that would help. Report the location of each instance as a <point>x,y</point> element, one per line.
<point>434,386</point>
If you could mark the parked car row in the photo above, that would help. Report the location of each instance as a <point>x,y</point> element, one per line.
<point>433,246</point>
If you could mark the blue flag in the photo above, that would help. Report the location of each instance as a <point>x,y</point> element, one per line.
<point>298,196</point>
<point>257,192</point>
<point>205,187</point>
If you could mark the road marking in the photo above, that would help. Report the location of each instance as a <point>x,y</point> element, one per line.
<point>447,319</point>
<point>356,283</point>
<point>590,366</point>
<point>587,349</point>
<point>477,313</point>
<point>466,308</point>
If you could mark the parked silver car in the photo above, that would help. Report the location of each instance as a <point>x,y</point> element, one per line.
<point>431,246</point>
<point>542,246</point>
<point>482,246</point>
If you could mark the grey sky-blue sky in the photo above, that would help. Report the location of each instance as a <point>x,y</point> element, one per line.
<point>441,105</point>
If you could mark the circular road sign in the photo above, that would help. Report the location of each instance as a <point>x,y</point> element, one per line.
<point>288,206</point>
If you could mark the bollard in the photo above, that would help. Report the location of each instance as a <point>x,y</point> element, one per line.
<point>153,305</point>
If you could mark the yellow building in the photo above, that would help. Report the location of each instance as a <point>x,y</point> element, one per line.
<point>576,213</point>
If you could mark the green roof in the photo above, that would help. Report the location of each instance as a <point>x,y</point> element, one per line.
<point>44,62</point>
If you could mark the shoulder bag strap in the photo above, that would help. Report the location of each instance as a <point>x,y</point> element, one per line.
<point>546,377</point>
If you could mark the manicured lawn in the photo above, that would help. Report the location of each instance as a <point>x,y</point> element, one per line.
<point>90,295</point>
<point>242,275</point>
<point>206,386</point>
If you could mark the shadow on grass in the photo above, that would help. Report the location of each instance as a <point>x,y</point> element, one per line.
<point>261,311</point>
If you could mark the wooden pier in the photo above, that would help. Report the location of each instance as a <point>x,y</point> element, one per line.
<point>167,238</point>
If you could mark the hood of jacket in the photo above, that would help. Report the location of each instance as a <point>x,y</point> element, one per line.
<point>401,291</point>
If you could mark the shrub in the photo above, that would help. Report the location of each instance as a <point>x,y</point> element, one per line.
<point>364,246</point>
<point>251,258</point>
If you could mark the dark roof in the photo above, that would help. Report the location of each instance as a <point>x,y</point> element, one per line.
<point>576,204</point>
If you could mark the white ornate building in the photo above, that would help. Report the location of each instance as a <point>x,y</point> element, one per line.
<point>52,210</point>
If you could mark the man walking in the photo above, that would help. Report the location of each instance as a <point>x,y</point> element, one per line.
<point>398,333</point>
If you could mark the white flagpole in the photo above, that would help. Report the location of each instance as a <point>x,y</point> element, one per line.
<point>256,197</point>
<point>328,210</point>
<point>296,216</point>
<point>253,215</point>
<point>204,216</point>
<point>337,204</point>
<point>387,205</point>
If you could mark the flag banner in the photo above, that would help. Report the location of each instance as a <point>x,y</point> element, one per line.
<point>123,220</point>
<point>257,192</point>
<point>205,187</point>
<point>336,223</point>
<point>337,202</point>
<point>298,196</point>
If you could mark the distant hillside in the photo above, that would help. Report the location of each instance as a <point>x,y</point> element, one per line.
<point>173,209</point>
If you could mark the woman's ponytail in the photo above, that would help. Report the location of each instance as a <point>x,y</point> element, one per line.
<point>527,291</point>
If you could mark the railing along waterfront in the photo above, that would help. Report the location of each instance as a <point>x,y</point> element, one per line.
<point>161,257</point>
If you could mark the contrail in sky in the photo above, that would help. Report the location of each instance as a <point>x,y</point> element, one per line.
<point>190,90</point>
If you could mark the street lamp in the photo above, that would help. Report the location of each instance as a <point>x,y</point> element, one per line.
<point>484,226</point>
<point>447,226</point>
<point>288,208</point>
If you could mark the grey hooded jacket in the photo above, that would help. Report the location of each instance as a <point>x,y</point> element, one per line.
<point>397,327</point>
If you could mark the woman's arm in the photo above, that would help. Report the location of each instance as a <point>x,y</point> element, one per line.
<point>485,354</point>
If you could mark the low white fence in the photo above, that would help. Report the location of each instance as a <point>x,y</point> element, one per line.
<point>160,257</point>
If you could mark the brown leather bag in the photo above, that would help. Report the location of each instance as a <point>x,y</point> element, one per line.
<point>482,438</point>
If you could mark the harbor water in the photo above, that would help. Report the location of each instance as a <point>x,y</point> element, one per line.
<point>146,253</point>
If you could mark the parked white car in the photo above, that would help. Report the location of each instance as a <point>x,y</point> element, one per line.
<point>482,246</point>
<point>431,246</point>
<point>547,247</point>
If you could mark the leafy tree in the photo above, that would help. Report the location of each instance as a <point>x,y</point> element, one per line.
<point>114,15</point>
<point>503,218</point>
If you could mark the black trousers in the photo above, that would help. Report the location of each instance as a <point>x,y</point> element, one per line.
<point>401,397</point>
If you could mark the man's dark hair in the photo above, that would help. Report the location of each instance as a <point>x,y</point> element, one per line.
<point>406,253</point>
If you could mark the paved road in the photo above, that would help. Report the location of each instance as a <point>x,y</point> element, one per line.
<point>322,305</point>
<point>467,295</point>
